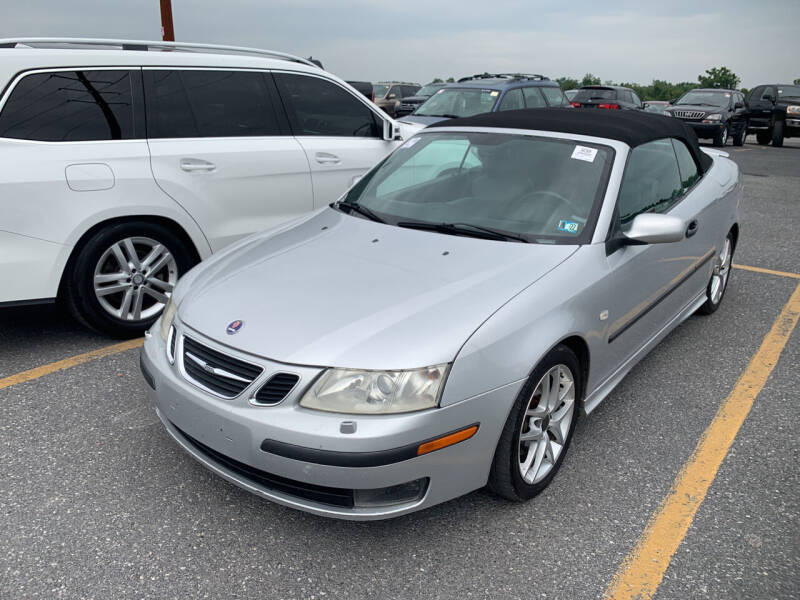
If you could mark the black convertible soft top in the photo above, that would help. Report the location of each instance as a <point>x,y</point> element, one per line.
<point>631,127</point>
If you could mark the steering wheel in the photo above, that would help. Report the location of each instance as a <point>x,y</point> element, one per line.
<point>558,198</point>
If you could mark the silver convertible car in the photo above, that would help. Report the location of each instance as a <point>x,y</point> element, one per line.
<point>443,325</point>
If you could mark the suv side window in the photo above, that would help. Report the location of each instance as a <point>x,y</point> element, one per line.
<point>686,165</point>
<point>651,182</point>
<point>395,89</point>
<point>200,103</point>
<point>409,90</point>
<point>512,100</point>
<point>319,107</point>
<point>636,100</point>
<point>769,91</point>
<point>755,93</point>
<point>554,96</point>
<point>70,106</point>
<point>533,97</point>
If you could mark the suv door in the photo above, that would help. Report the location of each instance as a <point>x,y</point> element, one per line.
<point>652,284</point>
<point>760,103</point>
<point>219,149</point>
<point>339,132</point>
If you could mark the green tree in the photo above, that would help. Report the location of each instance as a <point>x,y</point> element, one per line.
<point>797,81</point>
<point>590,79</point>
<point>567,83</point>
<point>721,77</point>
<point>437,80</point>
<point>450,80</point>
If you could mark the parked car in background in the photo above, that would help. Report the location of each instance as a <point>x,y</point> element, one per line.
<point>656,106</point>
<point>489,93</point>
<point>713,113</point>
<point>365,87</point>
<point>612,97</point>
<point>447,322</point>
<point>124,163</point>
<point>411,103</point>
<point>773,113</point>
<point>388,94</point>
<point>570,94</point>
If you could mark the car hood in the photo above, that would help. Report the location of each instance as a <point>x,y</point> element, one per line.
<point>421,120</point>
<point>414,99</point>
<point>338,290</point>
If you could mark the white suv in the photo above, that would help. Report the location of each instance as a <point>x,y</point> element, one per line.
<point>123,163</point>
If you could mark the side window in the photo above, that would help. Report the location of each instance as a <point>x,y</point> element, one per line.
<point>755,94</point>
<point>395,89</point>
<point>686,165</point>
<point>188,103</point>
<point>70,106</point>
<point>651,182</point>
<point>512,100</point>
<point>533,97</point>
<point>769,93</point>
<point>625,96</point>
<point>636,100</point>
<point>409,90</point>
<point>554,96</point>
<point>319,107</point>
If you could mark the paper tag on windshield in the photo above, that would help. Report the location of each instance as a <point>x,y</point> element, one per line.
<point>584,153</point>
<point>411,142</point>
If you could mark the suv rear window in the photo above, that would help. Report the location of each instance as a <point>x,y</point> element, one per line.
<point>70,106</point>
<point>594,94</point>
<point>189,103</point>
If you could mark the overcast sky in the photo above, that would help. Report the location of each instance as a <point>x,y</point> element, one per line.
<point>416,40</point>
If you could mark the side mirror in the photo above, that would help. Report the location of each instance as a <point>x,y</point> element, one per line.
<point>739,105</point>
<point>391,96</point>
<point>768,98</point>
<point>390,131</point>
<point>654,228</point>
<point>673,101</point>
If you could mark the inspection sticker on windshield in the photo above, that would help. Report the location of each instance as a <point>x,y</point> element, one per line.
<point>584,153</point>
<point>568,226</point>
<point>411,142</point>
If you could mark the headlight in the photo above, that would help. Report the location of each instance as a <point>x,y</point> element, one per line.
<point>167,317</point>
<point>713,117</point>
<point>793,110</point>
<point>376,392</point>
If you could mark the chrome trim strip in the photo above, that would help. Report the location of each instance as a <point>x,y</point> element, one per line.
<point>216,370</point>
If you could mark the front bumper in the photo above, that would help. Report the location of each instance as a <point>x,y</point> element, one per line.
<point>706,130</point>
<point>227,436</point>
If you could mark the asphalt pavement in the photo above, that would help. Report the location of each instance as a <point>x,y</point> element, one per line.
<point>96,501</point>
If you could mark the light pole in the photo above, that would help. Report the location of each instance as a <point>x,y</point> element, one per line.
<point>167,30</point>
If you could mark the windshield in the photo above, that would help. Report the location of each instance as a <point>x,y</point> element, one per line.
<point>544,190</point>
<point>380,90</point>
<point>718,99</point>
<point>594,94</point>
<point>789,91</point>
<point>428,90</point>
<point>458,102</point>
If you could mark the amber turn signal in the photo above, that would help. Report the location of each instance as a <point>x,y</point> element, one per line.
<point>447,440</point>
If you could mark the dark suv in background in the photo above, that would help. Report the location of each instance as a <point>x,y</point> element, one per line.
<point>388,94</point>
<point>613,97</point>
<point>410,104</point>
<point>489,93</point>
<point>713,113</point>
<point>773,112</point>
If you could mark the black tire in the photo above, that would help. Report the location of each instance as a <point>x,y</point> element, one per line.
<point>738,139</point>
<point>79,288</point>
<point>712,304</point>
<point>763,137</point>
<point>722,137</point>
<point>505,478</point>
<point>777,134</point>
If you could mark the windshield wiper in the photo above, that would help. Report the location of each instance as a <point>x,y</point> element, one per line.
<point>363,210</point>
<point>446,116</point>
<point>463,229</point>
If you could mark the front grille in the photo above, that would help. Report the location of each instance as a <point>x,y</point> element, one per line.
<point>222,374</point>
<point>277,388</point>
<point>299,489</point>
<point>689,114</point>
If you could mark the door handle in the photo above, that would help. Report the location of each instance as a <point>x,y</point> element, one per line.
<point>692,228</point>
<point>193,164</point>
<point>326,158</point>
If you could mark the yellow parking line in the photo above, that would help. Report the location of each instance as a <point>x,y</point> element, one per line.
<point>767,271</point>
<point>68,362</point>
<point>640,574</point>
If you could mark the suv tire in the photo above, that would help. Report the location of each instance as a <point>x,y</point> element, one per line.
<point>738,138</point>
<point>123,300</point>
<point>722,137</point>
<point>777,134</point>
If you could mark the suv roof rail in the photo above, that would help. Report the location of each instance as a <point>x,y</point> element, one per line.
<point>512,76</point>
<point>145,45</point>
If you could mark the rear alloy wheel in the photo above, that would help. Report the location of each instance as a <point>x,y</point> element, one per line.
<point>738,139</point>
<point>123,277</point>
<point>719,278</point>
<point>539,428</point>
<point>763,137</point>
<point>722,137</point>
<point>777,134</point>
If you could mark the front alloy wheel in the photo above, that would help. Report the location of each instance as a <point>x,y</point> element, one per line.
<point>719,278</point>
